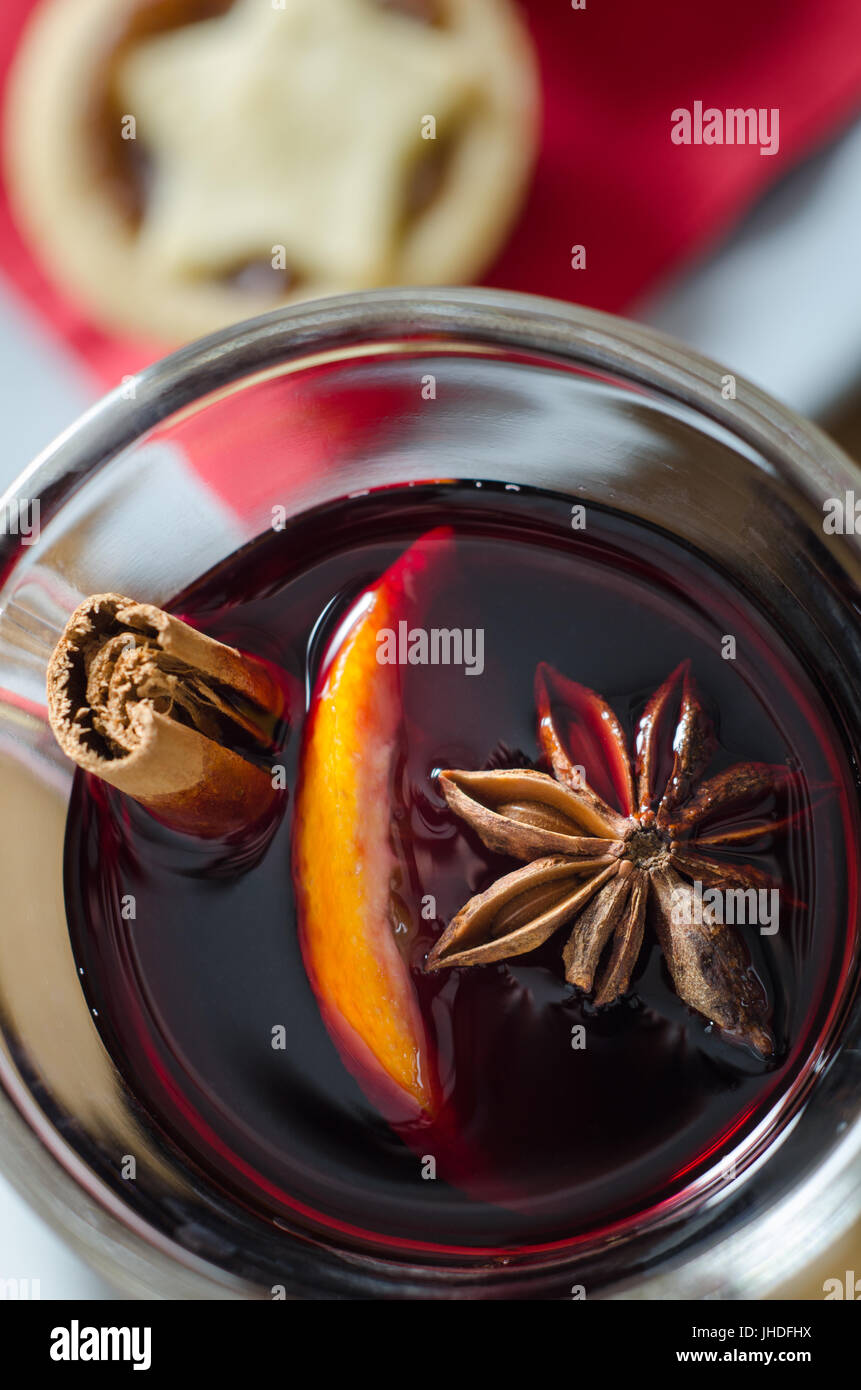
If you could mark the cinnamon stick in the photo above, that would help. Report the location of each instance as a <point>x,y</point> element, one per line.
<point>165,714</point>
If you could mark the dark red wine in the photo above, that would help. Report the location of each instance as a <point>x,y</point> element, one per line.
<point>551,1141</point>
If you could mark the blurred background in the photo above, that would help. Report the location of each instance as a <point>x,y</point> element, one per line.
<point>748,251</point>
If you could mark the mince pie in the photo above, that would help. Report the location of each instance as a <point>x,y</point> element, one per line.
<point>183,164</point>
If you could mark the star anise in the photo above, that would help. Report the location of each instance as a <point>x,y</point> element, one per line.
<point>596,854</point>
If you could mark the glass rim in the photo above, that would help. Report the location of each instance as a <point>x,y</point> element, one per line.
<point>496,318</point>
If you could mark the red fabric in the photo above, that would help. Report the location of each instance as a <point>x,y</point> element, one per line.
<point>609,177</point>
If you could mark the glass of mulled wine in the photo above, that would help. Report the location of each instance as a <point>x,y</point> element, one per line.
<point>525,546</point>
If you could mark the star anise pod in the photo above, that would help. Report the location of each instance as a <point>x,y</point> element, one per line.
<point>597,854</point>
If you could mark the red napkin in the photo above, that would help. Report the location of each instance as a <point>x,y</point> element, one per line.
<point>609,177</point>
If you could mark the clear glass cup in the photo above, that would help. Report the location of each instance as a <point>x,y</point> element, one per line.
<point>175,470</point>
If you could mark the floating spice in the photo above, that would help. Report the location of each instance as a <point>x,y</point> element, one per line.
<point>598,867</point>
<point>167,715</point>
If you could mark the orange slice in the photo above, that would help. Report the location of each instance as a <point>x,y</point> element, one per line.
<point>343,860</point>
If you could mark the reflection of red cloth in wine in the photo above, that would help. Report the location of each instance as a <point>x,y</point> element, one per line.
<point>608,177</point>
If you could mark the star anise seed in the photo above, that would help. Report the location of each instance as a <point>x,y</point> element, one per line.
<point>595,854</point>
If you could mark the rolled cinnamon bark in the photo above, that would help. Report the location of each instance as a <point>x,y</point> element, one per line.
<point>145,702</point>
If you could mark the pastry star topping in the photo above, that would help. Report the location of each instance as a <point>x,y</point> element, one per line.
<point>308,117</point>
<point>597,854</point>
